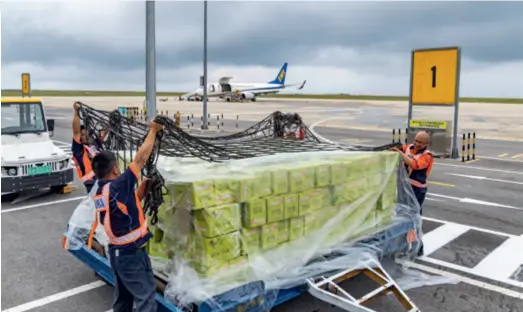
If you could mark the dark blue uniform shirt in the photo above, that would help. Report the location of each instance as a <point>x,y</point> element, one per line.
<point>78,153</point>
<point>122,197</point>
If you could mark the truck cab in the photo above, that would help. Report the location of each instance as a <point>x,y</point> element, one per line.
<point>30,160</point>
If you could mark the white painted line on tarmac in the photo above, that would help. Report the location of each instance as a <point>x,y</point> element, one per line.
<point>434,199</point>
<point>472,271</point>
<point>504,260</point>
<point>43,204</point>
<point>441,236</point>
<point>56,297</point>
<point>478,168</point>
<point>65,143</point>
<point>470,227</point>
<point>463,279</point>
<point>501,159</point>
<point>475,201</point>
<point>483,178</point>
<point>314,125</point>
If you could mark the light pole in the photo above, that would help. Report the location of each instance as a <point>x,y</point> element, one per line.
<point>204,64</point>
<point>150,60</point>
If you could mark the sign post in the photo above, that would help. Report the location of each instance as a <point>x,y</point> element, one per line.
<point>434,81</point>
<point>26,85</point>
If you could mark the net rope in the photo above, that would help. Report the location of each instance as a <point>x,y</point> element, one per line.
<point>277,133</point>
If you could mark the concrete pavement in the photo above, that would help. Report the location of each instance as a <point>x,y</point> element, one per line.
<point>473,213</point>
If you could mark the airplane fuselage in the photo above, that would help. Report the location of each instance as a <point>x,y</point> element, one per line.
<point>227,89</point>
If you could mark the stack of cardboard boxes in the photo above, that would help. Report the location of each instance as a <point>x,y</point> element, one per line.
<point>219,222</point>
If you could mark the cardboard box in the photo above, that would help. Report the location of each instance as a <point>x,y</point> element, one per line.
<point>219,220</point>
<point>322,175</point>
<point>274,208</point>
<point>269,235</point>
<point>194,195</point>
<point>280,181</point>
<point>296,226</point>
<point>213,251</point>
<point>291,206</point>
<point>236,190</point>
<point>305,202</point>
<point>251,240</point>
<point>301,179</point>
<point>283,231</point>
<point>254,213</point>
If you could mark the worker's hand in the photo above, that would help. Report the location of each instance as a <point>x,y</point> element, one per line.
<point>395,149</point>
<point>155,126</point>
<point>76,106</point>
<point>411,236</point>
<point>145,181</point>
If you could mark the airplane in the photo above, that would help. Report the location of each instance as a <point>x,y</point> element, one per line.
<point>228,90</point>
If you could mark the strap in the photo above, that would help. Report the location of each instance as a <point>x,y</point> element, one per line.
<point>88,176</point>
<point>91,150</point>
<point>418,184</point>
<point>129,237</point>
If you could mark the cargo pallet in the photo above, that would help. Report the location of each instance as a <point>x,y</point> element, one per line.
<point>391,242</point>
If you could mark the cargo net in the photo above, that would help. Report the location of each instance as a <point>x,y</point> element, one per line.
<point>253,215</point>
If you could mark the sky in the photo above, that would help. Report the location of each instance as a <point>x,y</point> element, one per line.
<point>338,47</point>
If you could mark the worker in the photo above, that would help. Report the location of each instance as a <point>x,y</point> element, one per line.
<point>418,162</point>
<point>83,150</point>
<point>122,216</point>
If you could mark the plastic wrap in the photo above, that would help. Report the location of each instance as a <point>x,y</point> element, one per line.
<point>229,232</point>
<point>278,219</point>
<point>81,222</point>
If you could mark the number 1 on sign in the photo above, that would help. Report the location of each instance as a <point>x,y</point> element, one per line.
<point>433,69</point>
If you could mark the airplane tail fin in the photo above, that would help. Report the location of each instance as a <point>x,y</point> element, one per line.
<point>280,78</point>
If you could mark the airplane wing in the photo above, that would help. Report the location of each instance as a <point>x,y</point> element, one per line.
<point>273,91</point>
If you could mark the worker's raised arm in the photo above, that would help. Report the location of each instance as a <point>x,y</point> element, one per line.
<point>77,131</point>
<point>145,150</point>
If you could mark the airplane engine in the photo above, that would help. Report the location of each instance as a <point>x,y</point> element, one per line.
<point>247,96</point>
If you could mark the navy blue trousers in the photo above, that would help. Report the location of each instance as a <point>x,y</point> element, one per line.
<point>134,281</point>
<point>420,194</point>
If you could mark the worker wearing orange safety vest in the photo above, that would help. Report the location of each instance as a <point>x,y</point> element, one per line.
<point>121,214</point>
<point>83,152</point>
<point>418,162</point>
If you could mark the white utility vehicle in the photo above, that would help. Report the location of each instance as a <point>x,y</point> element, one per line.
<point>30,160</point>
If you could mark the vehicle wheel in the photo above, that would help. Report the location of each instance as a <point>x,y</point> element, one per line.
<point>57,188</point>
<point>254,99</point>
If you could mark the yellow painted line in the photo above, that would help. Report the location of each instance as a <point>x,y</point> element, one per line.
<point>517,156</point>
<point>442,184</point>
<point>503,155</point>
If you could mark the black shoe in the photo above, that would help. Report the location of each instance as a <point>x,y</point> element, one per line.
<point>420,251</point>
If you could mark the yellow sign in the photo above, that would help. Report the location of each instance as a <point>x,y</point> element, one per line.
<point>432,124</point>
<point>434,76</point>
<point>26,84</point>
<point>281,75</point>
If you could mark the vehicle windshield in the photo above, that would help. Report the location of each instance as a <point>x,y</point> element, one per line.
<point>20,118</point>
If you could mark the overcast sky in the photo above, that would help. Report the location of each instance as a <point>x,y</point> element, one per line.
<point>339,47</point>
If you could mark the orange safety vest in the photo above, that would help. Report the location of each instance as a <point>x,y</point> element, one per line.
<point>101,202</point>
<point>89,153</point>
<point>418,177</point>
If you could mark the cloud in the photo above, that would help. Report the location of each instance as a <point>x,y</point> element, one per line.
<point>341,47</point>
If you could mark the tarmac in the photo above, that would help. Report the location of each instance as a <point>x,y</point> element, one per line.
<point>473,215</point>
